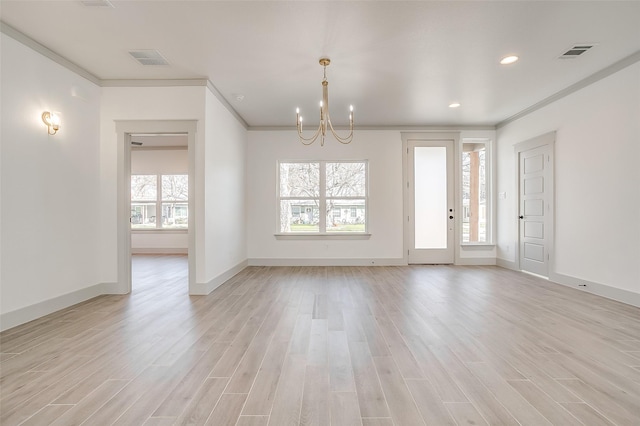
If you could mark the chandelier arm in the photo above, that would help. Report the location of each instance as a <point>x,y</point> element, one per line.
<point>308,141</point>
<point>346,140</point>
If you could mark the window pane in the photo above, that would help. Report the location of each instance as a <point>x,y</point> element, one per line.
<point>474,193</point>
<point>300,180</point>
<point>175,215</point>
<point>346,179</point>
<point>346,215</point>
<point>144,187</point>
<point>430,177</point>
<point>175,187</point>
<point>299,216</point>
<point>143,215</point>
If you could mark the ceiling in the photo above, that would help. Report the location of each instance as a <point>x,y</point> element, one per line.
<point>400,63</point>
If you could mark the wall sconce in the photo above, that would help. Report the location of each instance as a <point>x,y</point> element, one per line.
<point>52,120</point>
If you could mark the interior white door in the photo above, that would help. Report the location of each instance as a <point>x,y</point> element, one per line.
<point>431,200</point>
<point>534,209</point>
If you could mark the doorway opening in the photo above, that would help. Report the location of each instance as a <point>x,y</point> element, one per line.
<point>156,215</point>
<point>159,209</point>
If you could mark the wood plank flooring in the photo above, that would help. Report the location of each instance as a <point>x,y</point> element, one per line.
<point>366,346</point>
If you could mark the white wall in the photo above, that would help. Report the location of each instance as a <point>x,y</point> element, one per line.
<point>50,184</point>
<point>597,181</point>
<point>159,162</point>
<point>383,149</point>
<point>143,103</point>
<point>224,159</point>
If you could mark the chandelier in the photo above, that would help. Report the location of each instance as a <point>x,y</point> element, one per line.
<point>325,119</point>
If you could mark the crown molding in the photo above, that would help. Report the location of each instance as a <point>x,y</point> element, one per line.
<point>214,90</point>
<point>593,78</point>
<point>429,128</point>
<point>154,82</point>
<point>45,51</point>
<point>60,60</point>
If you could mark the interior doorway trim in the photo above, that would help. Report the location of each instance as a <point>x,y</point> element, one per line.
<point>124,130</point>
<point>547,139</point>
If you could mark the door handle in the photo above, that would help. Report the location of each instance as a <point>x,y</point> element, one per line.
<point>521,217</point>
<point>450,217</point>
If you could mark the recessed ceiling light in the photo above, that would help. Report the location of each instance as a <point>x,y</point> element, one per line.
<point>508,60</point>
<point>454,105</point>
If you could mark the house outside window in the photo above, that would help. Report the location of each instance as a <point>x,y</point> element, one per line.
<point>159,202</point>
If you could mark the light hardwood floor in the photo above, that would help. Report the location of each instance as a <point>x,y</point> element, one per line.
<point>367,346</point>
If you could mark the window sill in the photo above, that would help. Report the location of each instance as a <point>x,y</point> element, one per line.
<point>324,236</point>
<point>160,230</point>
<point>479,245</point>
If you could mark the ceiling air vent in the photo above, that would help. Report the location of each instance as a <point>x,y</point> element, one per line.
<point>148,57</point>
<point>575,51</point>
<point>97,3</point>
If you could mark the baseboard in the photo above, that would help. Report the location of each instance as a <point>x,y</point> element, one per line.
<point>476,261</point>
<point>29,313</point>
<point>202,289</point>
<point>327,262</point>
<point>618,294</point>
<point>507,264</point>
<point>152,250</point>
<point>113,288</point>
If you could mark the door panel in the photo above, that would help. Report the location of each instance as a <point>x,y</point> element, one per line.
<point>533,185</point>
<point>534,230</point>
<point>534,252</point>
<point>534,211</point>
<point>430,191</point>
<point>533,207</point>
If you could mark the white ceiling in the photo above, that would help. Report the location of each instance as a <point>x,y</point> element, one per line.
<point>400,63</point>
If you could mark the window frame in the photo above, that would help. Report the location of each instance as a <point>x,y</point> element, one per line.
<point>159,201</point>
<point>322,203</point>
<point>489,205</point>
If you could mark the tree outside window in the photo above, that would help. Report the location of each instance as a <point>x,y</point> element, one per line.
<point>167,208</point>
<point>337,189</point>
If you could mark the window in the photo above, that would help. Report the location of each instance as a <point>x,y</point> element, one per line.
<point>475,192</point>
<point>338,189</point>
<point>163,195</point>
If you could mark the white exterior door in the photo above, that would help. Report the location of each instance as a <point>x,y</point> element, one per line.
<point>534,215</point>
<point>430,207</point>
